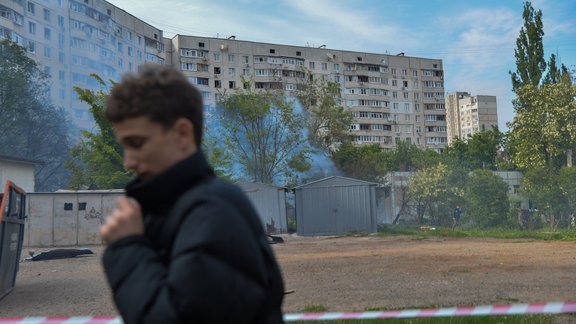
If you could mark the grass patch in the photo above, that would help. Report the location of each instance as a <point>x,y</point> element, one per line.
<point>559,235</point>
<point>529,319</point>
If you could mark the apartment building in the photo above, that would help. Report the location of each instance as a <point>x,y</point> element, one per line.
<point>393,97</point>
<point>71,39</point>
<point>467,115</point>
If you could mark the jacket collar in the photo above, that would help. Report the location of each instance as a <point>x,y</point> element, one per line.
<point>158,194</point>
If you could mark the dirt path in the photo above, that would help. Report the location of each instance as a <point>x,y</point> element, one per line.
<point>344,274</point>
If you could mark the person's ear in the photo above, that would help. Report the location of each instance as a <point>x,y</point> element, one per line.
<point>185,132</point>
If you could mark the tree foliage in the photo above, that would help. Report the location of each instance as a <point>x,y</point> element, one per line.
<point>264,134</point>
<point>436,189</point>
<point>30,126</point>
<point>529,52</point>
<point>544,128</point>
<point>487,199</point>
<point>328,122</point>
<point>479,151</point>
<point>97,158</point>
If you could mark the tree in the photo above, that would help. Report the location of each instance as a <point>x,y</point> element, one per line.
<point>487,199</point>
<point>264,134</point>
<point>328,122</point>
<point>436,190</point>
<point>529,52</point>
<point>544,129</point>
<point>543,188</point>
<point>366,162</point>
<point>479,151</point>
<point>30,126</point>
<point>97,159</point>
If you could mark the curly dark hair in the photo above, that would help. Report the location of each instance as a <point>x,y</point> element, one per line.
<point>160,93</point>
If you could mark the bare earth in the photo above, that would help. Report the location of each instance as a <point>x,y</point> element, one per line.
<point>343,274</point>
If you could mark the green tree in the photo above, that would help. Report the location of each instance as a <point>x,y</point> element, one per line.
<point>479,151</point>
<point>529,52</point>
<point>265,134</point>
<point>543,188</point>
<point>487,199</point>
<point>328,122</point>
<point>435,190</point>
<point>544,129</point>
<point>30,126</point>
<point>97,158</point>
<point>365,162</point>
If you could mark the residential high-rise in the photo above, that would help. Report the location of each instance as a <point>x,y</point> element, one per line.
<point>467,115</point>
<point>71,39</point>
<point>393,97</point>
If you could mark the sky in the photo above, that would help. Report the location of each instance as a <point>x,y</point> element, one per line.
<point>474,39</point>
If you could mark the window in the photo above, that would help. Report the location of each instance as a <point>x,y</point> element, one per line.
<point>324,66</point>
<point>336,67</point>
<point>217,84</point>
<point>231,84</point>
<point>231,58</point>
<point>245,72</point>
<point>217,70</point>
<point>298,53</point>
<point>216,57</point>
<point>405,84</point>
<point>32,28</point>
<point>231,71</point>
<point>60,21</point>
<point>394,94</point>
<point>245,59</point>
<point>31,47</point>
<point>61,75</point>
<point>47,52</point>
<point>404,72</point>
<point>394,83</point>
<point>130,51</point>
<point>46,14</point>
<point>415,73</point>
<point>31,7</point>
<point>200,44</point>
<point>405,94</point>
<point>393,70</point>
<point>272,51</point>
<point>311,65</point>
<point>47,33</point>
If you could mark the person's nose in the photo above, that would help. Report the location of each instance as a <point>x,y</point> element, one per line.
<point>130,160</point>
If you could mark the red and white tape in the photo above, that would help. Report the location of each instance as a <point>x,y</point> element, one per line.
<point>490,310</point>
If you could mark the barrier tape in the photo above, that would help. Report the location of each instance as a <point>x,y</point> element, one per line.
<point>490,310</point>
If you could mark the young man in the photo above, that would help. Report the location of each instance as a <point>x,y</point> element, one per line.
<point>183,246</point>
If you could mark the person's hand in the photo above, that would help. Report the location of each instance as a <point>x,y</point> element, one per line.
<point>125,220</point>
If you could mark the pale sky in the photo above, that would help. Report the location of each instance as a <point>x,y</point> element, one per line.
<point>474,39</point>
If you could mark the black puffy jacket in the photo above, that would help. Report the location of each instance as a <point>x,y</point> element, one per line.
<point>204,257</point>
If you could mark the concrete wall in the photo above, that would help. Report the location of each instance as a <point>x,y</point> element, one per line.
<point>67,218</point>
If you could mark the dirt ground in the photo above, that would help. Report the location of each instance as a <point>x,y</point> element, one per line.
<point>343,274</point>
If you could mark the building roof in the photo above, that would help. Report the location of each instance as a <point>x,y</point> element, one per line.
<point>19,160</point>
<point>336,181</point>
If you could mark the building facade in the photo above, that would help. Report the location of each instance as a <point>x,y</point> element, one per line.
<point>72,39</point>
<point>467,115</point>
<point>392,97</point>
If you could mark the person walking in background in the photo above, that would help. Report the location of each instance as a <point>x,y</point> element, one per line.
<point>456,217</point>
<point>182,246</point>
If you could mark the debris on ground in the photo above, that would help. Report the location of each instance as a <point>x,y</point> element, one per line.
<point>57,254</point>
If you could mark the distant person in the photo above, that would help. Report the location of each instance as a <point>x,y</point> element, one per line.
<point>456,217</point>
<point>183,246</point>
